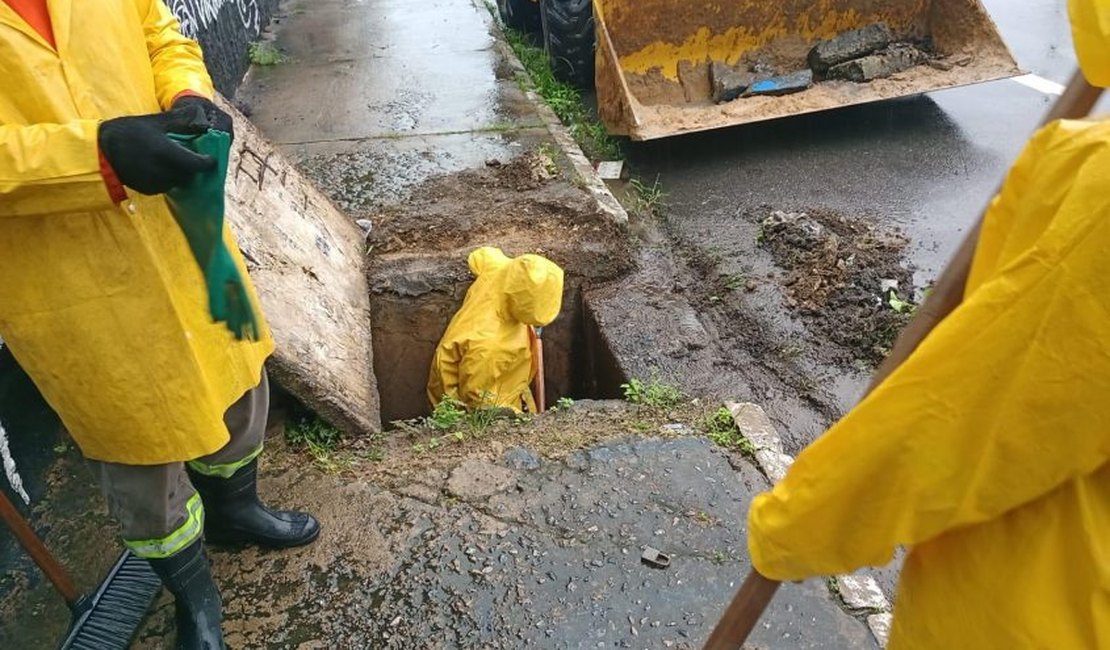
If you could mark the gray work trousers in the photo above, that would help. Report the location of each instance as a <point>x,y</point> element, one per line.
<point>156,506</point>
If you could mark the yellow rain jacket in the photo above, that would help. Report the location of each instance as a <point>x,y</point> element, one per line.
<point>988,450</point>
<point>485,356</point>
<point>103,305</point>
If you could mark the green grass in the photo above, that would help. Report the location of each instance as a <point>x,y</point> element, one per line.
<point>565,100</point>
<point>455,422</point>
<point>653,393</point>
<point>321,441</point>
<point>562,404</point>
<point>721,429</point>
<point>265,53</point>
<point>648,200</point>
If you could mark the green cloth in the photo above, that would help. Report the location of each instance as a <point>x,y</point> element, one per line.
<point>198,208</point>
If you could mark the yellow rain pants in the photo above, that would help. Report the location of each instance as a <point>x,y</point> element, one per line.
<point>988,450</point>
<point>485,356</point>
<point>102,304</point>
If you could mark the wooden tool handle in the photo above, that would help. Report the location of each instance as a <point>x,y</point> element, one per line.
<point>37,550</point>
<point>1077,102</point>
<point>743,612</point>
<point>539,391</point>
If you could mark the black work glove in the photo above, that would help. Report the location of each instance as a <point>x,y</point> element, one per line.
<point>217,119</point>
<point>147,161</point>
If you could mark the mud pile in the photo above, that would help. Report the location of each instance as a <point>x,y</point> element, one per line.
<point>845,277</point>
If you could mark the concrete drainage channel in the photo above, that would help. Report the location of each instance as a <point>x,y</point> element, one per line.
<point>419,275</point>
<point>407,328</point>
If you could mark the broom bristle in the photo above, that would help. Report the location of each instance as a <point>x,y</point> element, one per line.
<point>112,615</point>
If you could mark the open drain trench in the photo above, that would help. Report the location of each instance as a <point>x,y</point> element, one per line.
<point>408,326</point>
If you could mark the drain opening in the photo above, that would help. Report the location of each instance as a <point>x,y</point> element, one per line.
<point>407,329</point>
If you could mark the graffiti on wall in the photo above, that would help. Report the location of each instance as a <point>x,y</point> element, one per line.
<point>198,15</point>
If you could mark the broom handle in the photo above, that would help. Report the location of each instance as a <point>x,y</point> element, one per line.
<point>37,550</point>
<point>755,594</point>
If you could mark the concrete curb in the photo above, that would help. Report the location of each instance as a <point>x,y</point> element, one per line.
<point>857,594</point>
<point>592,183</point>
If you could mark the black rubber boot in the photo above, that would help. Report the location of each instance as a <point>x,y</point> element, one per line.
<point>199,612</point>
<point>233,514</point>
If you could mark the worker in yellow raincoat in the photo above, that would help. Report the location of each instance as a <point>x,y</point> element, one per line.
<point>101,301</point>
<point>485,356</point>
<point>987,451</point>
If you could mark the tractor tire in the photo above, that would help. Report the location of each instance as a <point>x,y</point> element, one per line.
<point>569,38</point>
<point>521,15</point>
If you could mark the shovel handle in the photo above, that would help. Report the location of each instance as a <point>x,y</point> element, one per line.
<point>37,550</point>
<point>743,612</point>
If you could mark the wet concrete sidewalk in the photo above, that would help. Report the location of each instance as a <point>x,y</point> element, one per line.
<point>378,96</point>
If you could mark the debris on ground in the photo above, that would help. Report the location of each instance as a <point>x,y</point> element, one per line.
<point>844,277</point>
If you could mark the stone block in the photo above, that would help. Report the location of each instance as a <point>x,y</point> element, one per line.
<point>849,45</point>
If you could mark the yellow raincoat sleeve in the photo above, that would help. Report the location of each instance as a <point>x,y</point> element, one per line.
<point>970,426</point>
<point>177,61</point>
<point>50,169</point>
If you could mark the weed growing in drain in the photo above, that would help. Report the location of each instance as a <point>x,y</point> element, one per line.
<point>322,441</point>
<point>564,100</point>
<point>653,393</point>
<point>447,414</point>
<point>721,429</point>
<point>648,200</point>
<point>549,154</point>
<point>562,404</point>
<point>456,422</point>
<point>265,53</point>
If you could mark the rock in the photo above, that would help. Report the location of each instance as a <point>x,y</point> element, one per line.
<point>420,492</point>
<point>894,59</point>
<point>782,84</point>
<point>880,626</point>
<point>521,458</point>
<point>728,82</point>
<point>944,65</point>
<point>861,592</point>
<point>848,46</point>
<point>477,479</point>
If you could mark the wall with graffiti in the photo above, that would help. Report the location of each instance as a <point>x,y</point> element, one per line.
<point>224,28</point>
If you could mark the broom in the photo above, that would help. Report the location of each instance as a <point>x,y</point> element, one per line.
<point>106,619</point>
<point>756,592</point>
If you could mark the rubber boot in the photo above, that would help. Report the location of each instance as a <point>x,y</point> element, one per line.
<point>233,515</point>
<point>198,610</point>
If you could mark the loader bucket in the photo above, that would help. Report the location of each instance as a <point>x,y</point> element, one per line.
<point>653,56</point>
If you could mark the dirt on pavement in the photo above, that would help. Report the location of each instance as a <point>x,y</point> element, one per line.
<point>841,272</point>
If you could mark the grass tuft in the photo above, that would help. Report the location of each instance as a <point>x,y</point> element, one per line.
<point>565,100</point>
